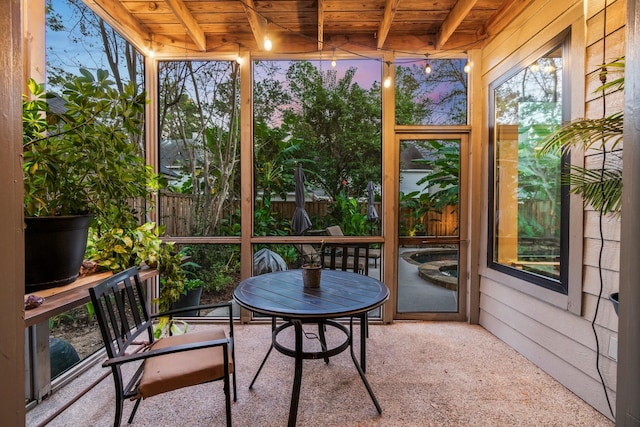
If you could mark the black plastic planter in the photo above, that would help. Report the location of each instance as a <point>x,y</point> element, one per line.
<point>614,300</point>
<point>54,250</point>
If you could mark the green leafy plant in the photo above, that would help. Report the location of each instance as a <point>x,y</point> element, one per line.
<point>219,265</point>
<point>345,212</point>
<point>172,276</point>
<point>117,249</point>
<point>600,186</point>
<point>312,259</point>
<point>190,284</point>
<point>83,160</point>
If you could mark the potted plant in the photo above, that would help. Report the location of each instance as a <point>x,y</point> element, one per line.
<point>117,249</point>
<point>79,162</point>
<point>311,269</point>
<point>190,297</point>
<point>599,186</point>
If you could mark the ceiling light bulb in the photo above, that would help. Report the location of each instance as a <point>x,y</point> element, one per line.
<point>267,43</point>
<point>427,69</point>
<point>239,59</point>
<point>387,82</point>
<point>467,67</point>
<point>535,67</point>
<point>333,63</point>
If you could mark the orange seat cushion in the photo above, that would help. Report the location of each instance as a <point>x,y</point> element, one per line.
<point>185,368</point>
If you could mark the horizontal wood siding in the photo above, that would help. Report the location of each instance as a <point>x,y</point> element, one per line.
<point>567,355</point>
<point>556,339</point>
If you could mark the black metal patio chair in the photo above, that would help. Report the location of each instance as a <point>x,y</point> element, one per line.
<point>348,257</point>
<point>167,363</point>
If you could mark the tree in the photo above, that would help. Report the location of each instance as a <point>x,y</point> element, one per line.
<point>437,98</point>
<point>93,46</point>
<point>339,124</point>
<point>199,114</point>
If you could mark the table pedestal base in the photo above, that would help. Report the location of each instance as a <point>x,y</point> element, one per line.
<point>299,354</point>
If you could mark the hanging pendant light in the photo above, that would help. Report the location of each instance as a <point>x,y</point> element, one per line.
<point>427,68</point>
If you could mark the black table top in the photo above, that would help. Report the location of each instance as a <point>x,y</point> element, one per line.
<point>281,294</point>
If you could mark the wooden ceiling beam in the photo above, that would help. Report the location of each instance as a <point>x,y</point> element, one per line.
<point>453,20</point>
<point>116,15</point>
<point>502,17</point>
<point>385,25</point>
<point>255,21</point>
<point>190,24</point>
<point>320,25</point>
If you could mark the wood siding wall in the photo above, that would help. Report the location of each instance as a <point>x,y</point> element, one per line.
<point>559,339</point>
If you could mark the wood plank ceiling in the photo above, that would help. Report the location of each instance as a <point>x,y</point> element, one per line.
<point>194,27</point>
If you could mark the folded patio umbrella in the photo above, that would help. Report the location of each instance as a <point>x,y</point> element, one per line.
<point>372,214</point>
<point>300,221</point>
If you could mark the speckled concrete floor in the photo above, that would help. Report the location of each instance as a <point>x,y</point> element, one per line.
<point>423,374</point>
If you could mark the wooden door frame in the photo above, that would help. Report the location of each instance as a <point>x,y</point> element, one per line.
<point>461,133</point>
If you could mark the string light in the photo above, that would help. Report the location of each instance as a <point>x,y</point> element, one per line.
<point>151,51</point>
<point>238,56</point>
<point>427,68</point>
<point>387,80</point>
<point>268,44</point>
<point>535,67</point>
<point>333,58</point>
<point>467,66</point>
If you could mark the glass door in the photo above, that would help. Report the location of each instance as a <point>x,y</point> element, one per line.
<point>431,258</point>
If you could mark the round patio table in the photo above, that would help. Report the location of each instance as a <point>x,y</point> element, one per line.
<point>341,294</point>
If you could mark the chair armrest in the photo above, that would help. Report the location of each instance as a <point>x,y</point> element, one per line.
<point>224,342</point>
<point>173,312</point>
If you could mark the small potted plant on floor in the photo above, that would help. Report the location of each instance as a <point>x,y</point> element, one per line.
<point>190,296</point>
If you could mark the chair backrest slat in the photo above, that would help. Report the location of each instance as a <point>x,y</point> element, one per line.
<point>121,310</point>
<point>346,256</point>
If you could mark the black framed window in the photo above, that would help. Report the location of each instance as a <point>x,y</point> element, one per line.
<point>529,221</point>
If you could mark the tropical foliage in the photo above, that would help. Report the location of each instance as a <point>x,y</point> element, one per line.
<point>600,185</point>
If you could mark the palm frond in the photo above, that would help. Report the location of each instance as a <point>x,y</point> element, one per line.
<point>616,84</point>
<point>585,133</point>
<point>601,188</point>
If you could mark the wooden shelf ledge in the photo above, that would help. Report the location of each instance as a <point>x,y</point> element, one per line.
<point>64,298</point>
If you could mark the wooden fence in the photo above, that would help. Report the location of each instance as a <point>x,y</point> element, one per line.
<point>176,215</point>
